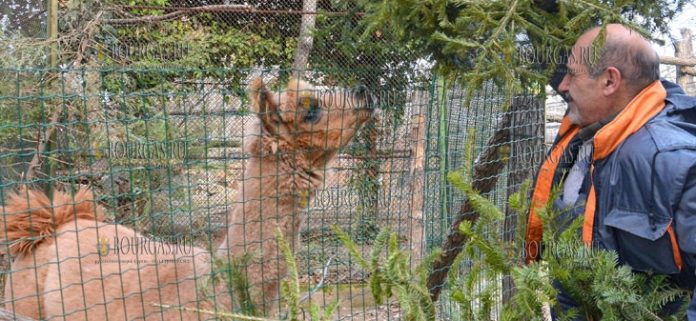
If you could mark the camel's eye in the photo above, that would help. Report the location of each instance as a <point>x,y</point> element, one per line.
<point>312,109</point>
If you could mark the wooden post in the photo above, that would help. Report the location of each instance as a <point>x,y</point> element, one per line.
<point>53,32</point>
<point>684,49</point>
<point>443,142</point>
<point>417,170</point>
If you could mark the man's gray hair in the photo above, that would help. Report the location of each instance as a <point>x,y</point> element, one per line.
<point>639,67</point>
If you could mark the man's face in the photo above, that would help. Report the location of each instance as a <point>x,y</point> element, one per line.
<point>586,102</point>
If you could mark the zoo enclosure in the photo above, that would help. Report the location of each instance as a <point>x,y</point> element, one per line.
<point>158,136</point>
<point>170,166</point>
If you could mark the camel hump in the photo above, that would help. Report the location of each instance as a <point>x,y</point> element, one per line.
<point>29,217</point>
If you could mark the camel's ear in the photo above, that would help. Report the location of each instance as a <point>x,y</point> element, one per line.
<point>293,86</point>
<point>263,105</point>
<point>260,96</point>
<point>295,90</point>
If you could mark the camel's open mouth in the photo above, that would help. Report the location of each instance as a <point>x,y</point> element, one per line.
<point>366,101</point>
<point>366,113</point>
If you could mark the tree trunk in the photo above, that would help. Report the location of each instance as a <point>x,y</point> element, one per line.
<point>417,174</point>
<point>369,186</point>
<point>487,168</point>
<point>306,40</point>
<point>526,152</point>
<point>684,49</point>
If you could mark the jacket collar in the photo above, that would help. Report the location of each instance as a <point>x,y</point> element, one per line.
<point>612,131</point>
<point>677,98</point>
<point>589,131</point>
<point>643,107</point>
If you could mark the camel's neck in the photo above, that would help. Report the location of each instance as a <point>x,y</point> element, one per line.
<point>271,195</point>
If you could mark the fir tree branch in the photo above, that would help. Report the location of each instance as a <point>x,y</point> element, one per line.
<point>504,21</point>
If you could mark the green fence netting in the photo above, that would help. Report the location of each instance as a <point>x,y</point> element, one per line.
<point>153,116</point>
<point>164,157</point>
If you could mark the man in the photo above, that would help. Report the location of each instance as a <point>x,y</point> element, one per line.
<point>625,159</point>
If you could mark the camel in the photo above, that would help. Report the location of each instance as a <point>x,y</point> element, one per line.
<point>70,265</point>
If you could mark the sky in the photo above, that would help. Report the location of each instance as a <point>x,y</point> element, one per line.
<point>685,19</point>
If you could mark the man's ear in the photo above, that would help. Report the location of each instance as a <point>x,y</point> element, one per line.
<point>292,93</point>
<point>611,81</point>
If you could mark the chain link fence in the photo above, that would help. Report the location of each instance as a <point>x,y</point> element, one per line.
<point>167,161</point>
<point>23,18</point>
<point>149,107</point>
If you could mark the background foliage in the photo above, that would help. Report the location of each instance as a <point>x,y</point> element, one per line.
<point>481,40</point>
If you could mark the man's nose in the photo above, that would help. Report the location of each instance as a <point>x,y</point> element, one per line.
<point>564,86</point>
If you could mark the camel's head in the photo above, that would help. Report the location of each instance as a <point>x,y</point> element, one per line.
<point>308,121</point>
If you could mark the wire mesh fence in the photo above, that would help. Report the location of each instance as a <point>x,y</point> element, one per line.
<point>167,162</point>
<point>155,119</point>
<point>23,17</point>
<point>151,109</point>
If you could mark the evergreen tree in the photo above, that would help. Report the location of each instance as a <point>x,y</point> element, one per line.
<point>481,40</point>
<point>603,289</point>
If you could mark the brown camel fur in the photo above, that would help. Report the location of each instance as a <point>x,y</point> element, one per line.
<point>70,265</point>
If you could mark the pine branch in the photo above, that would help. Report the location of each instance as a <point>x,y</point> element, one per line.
<point>291,284</point>
<point>390,274</point>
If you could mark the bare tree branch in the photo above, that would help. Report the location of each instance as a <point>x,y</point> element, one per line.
<point>178,13</point>
<point>667,60</point>
<point>41,147</point>
<point>89,35</point>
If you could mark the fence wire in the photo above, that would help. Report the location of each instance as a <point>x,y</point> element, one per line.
<point>167,161</point>
<point>155,118</point>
